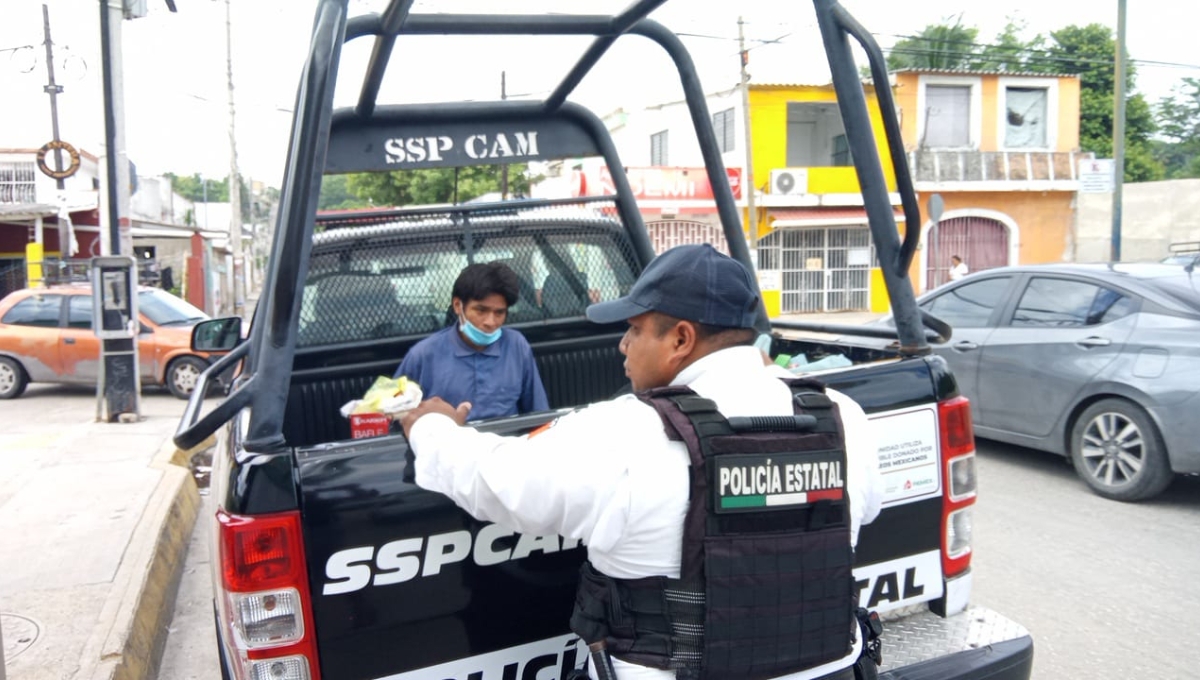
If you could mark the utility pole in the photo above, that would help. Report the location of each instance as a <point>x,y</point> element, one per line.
<point>504,168</point>
<point>118,392</point>
<point>115,194</point>
<point>53,89</point>
<point>748,171</point>
<point>235,184</point>
<point>1118,132</point>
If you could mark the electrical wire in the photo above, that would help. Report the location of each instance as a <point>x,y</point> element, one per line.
<point>1038,53</point>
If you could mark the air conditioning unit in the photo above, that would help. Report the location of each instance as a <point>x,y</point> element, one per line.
<point>789,181</point>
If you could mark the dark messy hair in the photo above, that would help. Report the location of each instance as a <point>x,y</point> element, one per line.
<point>480,280</point>
<point>721,336</point>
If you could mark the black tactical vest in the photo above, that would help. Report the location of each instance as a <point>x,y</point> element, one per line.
<point>766,587</point>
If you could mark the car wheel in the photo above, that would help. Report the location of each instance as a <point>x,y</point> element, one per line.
<point>1117,450</point>
<point>182,375</point>
<point>12,379</point>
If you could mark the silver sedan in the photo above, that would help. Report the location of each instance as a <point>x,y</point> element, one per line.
<point>1100,363</point>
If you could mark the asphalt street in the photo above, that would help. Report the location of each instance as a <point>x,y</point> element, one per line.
<point>1108,589</point>
<point>69,403</point>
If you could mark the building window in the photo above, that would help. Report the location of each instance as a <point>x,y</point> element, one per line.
<point>813,129</point>
<point>17,182</point>
<point>658,148</point>
<point>947,116</point>
<point>1025,117</point>
<point>723,127</point>
<point>841,152</point>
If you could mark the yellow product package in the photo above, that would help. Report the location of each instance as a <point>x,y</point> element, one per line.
<point>387,395</point>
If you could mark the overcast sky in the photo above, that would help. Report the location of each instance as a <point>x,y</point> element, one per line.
<point>175,96</point>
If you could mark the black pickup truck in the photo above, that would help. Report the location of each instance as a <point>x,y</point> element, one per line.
<point>330,563</point>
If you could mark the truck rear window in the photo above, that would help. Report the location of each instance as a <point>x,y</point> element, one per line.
<point>395,279</point>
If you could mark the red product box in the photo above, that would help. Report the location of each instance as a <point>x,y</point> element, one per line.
<point>363,425</point>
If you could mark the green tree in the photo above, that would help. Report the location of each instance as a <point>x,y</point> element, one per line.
<point>199,189</point>
<point>940,46</point>
<point>1179,128</point>
<point>196,188</point>
<point>1090,51</point>
<point>337,195</point>
<point>437,185</point>
<point>1009,51</point>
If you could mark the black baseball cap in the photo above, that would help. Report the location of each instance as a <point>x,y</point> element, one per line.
<point>690,282</point>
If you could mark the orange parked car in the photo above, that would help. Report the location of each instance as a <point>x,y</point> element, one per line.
<point>46,336</point>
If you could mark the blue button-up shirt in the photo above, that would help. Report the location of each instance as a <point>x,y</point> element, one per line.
<point>500,380</point>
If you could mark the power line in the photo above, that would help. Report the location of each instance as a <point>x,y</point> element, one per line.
<point>1039,53</point>
<point>760,41</point>
<point>1031,60</point>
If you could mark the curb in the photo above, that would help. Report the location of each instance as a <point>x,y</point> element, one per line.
<point>141,602</point>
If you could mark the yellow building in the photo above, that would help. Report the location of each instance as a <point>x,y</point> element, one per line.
<point>1002,149</point>
<point>814,241</point>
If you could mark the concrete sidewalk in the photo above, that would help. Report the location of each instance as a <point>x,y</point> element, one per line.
<point>94,525</point>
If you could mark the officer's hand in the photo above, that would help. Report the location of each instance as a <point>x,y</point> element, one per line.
<point>435,405</point>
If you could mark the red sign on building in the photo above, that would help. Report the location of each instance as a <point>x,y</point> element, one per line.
<point>665,184</point>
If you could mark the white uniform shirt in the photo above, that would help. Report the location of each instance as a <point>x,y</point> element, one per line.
<point>608,475</point>
<point>958,271</point>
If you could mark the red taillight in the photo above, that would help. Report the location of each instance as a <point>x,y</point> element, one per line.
<point>958,493</point>
<point>260,553</point>
<point>958,435</point>
<point>266,608</point>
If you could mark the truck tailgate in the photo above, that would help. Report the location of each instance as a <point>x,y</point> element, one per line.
<point>974,644</point>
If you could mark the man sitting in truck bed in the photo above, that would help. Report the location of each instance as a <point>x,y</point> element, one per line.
<point>611,476</point>
<point>476,359</point>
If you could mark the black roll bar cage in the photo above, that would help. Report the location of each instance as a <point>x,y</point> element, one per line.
<point>267,376</point>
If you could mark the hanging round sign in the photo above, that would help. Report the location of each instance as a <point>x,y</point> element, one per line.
<point>56,173</point>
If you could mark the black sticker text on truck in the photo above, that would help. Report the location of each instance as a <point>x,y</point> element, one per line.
<point>901,582</point>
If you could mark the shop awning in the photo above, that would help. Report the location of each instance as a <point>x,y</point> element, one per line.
<point>26,212</point>
<point>823,217</point>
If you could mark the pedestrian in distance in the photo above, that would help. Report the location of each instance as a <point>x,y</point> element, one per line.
<point>958,268</point>
<point>617,475</point>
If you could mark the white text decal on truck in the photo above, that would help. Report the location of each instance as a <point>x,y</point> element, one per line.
<point>908,453</point>
<point>901,582</point>
<point>552,658</point>
<point>403,560</point>
<point>477,147</point>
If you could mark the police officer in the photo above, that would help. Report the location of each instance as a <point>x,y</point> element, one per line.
<point>612,475</point>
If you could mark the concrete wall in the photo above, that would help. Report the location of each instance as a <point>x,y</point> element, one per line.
<point>1153,215</point>
<point>154,200</point>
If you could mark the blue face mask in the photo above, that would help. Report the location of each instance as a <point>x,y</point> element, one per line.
<point>477,336</point>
